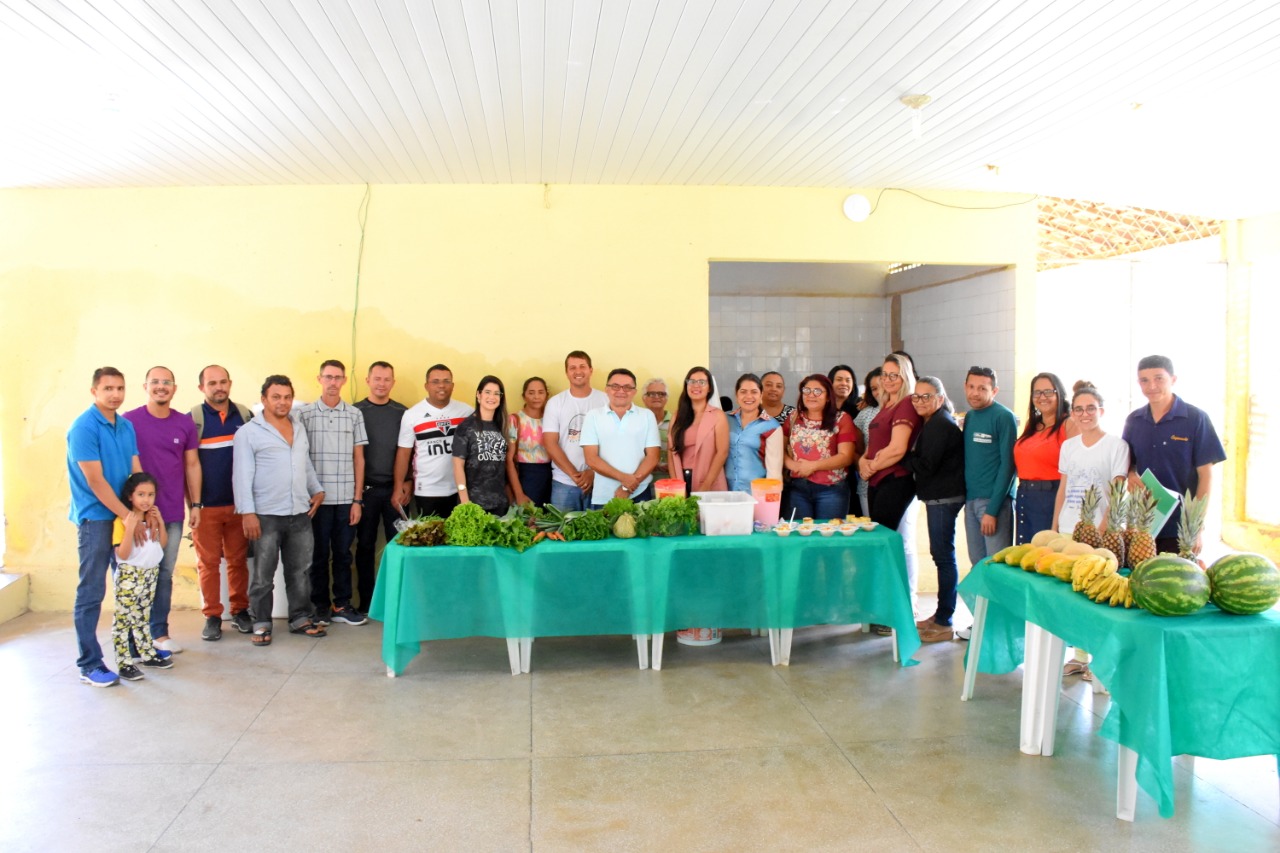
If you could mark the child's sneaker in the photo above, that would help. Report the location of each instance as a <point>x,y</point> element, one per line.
<point>129,672</point>
<point>164,660</point>
<point>100,677</point>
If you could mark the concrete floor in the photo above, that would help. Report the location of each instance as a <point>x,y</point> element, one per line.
<point>307,744</point>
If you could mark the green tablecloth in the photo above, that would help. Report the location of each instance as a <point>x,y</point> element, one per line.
<point>641,586</point>
<point>1206,684</point>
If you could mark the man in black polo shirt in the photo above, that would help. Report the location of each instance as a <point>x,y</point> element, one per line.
<point>382,417</point>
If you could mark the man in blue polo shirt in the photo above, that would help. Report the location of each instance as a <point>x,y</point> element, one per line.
<point>102,451</point>
<point>1173,439</point>
<point>620,444</point>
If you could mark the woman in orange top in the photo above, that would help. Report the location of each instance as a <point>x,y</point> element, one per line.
<point>1036,454</point>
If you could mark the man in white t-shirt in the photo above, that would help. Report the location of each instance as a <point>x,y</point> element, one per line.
<point>571,479</point>
<point>426,434</point>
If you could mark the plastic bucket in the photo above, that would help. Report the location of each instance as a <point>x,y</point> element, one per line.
<point>698,636</point>
<point>668,489</point>
<point>768,495</point>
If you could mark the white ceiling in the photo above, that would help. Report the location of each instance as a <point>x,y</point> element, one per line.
<point>732,92</point>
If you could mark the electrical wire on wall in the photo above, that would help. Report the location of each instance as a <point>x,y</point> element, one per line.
<point>876,203</point>
<point>362,217</point>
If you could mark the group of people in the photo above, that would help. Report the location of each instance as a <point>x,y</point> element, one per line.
<point>302,483</point>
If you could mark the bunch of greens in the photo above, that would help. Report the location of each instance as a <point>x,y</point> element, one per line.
<point>470,525</point>
<point>617,506</point>
<point>515,529</point>
<point>585,526</point>
<point>669,517</point>
<point>428,530</point>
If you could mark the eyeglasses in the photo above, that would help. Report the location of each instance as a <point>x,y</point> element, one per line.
<point>656,394</point>
<point>891,377</point>
<point>697,383</point>
<point>813,392</point>
<point>329,377</point>
<point>1046,393</point>
<point>922,398</point>
<point>982,371</point>
<point>163,383</point>
<point>616,387</point>
<point>1084,410</point>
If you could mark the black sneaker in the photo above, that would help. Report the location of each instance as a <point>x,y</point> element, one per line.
<point>348,615</point>
<point>129,672</point>
<point>212,628</point>
<point>321,617</point>
<point>163,661</point>
<point>243,622</point>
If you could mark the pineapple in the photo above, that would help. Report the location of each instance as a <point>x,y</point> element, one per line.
<point>1113,539</point>
<point>1085,530</point>
<point>1142,545</point>
<point>1190,526</point>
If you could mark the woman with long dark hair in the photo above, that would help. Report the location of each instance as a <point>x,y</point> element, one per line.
<point>1036,452</point>
<point>819,445</point>
<point>699,436</point>
<point>480,450</point>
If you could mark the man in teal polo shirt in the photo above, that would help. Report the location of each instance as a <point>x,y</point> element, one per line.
<point>989,432</point>
<point>102,451</point>
<point>1173,439</point>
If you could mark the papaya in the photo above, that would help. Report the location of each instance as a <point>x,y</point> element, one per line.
<point>1028,561</point>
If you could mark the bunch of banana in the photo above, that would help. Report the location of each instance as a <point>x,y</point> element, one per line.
<point>1110,589</point>
<point>1089,568</point>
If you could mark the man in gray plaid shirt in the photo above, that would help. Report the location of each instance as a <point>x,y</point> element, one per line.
<point>336,432</point>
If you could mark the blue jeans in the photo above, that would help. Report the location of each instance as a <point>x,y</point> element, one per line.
<point>290,536</point>
<point>812,500</point>
<point>568,498</point>
<point>164,582</point>
<point>331,527</point>
<point>1035,507</point>
<point>97,557</point>
<point>378,512</point>
<point>941,518</point>
<point>981,547</point>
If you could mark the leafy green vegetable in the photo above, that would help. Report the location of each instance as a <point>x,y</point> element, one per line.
<point>585,526</point>
<point>470,525</point>
<point>617,506</point>
<point>669,517</point>
<point>428,530</point>
<point>514,533</point>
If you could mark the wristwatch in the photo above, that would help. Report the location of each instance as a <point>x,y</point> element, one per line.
<point>197,506</point>
<point>359,503</point>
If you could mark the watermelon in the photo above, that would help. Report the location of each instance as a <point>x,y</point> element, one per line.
<point>1244,583</point>
<point>1167,585</point>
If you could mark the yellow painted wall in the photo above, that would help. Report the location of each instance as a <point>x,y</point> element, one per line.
<point>503,279</point>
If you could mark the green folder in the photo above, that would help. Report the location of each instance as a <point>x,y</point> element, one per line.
<point>1166,502</point>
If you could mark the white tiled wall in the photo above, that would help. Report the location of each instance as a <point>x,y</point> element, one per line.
<point>795,335</point>
<point>950,327</point>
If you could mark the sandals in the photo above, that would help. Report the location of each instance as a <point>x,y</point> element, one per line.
<point>308,629</point>
<point>1077,667</point>
<point>881,630</point>
<point>261,637</point>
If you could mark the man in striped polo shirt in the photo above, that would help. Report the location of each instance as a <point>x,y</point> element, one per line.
<point>336,432</point>
<point>221,531</point>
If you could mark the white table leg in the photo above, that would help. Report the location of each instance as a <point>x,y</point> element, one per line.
<point>513,654</point>
<point>642,649</point>
<point>784,645</point>
<point>1030,738</point>
<point>866,627</point>
<point>526,653</point>
<point>391,673</point>
<point>1050,687</point>
<point>656,641</point>
<point>1126,783</point>
<point>975,648</point>
<point>774,640</point>
<point>893,638</point>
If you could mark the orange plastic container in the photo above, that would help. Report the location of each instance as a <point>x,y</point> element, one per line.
<point>768,495</point>
<point>668,489</point>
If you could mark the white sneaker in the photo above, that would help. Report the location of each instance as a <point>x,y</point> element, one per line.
<point>168,645</point>
<point>964,633</point>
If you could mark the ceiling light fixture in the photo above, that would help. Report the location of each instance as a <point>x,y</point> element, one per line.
<point>915,103</point>
<point>857,208</point>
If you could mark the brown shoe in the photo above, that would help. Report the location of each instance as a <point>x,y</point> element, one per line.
<point>936,634</point>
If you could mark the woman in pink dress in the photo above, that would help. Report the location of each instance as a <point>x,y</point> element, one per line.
<point>699,437</point>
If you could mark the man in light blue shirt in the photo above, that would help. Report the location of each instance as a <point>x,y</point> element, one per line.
<point>277,492</point>
<point>620,443</point>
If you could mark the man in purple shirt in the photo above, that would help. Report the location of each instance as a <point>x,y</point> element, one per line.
<point>168,447</point>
